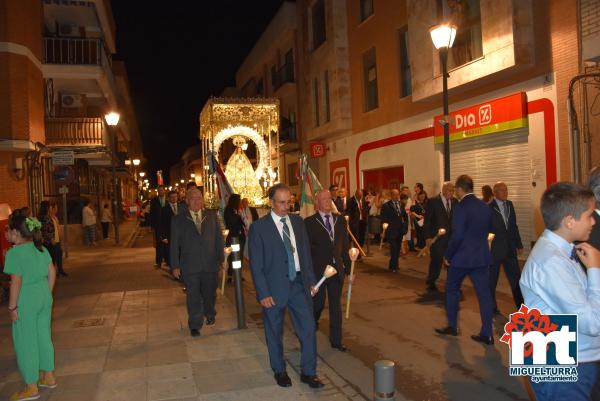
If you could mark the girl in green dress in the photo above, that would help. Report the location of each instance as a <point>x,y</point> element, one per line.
<point>30,306</point>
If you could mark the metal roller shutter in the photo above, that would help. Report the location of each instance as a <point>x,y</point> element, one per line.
<point>499,157</point>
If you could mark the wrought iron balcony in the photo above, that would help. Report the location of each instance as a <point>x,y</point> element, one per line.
<point>82,131</point>
<point>74,51</point>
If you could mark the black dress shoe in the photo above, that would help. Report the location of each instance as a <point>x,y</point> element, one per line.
<point>210,321</point>
<point>63,274</point>
<point>447,331</point>
<point>488,340</point>
<point>313,381</point>
<point>195,332</point>
<point>340,347</point>
<point>283,379</point>
<point>432,288</point>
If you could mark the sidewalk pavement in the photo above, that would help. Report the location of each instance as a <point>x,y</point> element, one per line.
<point>133,344</point>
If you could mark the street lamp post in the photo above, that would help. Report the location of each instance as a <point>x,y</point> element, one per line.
<point>112,119</point>
<point>443,37</point>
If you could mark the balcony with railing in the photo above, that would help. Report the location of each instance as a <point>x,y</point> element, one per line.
<point>74,51</point>
<point>284,75</point>
<point>80,132</point>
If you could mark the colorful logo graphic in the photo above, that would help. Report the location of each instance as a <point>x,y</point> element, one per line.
<point>542,346</point>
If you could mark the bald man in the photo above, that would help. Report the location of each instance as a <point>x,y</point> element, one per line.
<point>439,215</point>
<point>506,244</point>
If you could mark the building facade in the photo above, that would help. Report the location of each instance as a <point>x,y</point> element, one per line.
<point>60,52</point>
<point>509,71</point>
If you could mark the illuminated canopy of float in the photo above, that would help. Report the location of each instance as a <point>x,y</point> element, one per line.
<point>249,133</point>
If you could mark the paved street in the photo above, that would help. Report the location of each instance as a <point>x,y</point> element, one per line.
<point>120,334</point>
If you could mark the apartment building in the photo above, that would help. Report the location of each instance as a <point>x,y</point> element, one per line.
<point>56,65</point>
<point>271,70</point>
<point>509,71</point>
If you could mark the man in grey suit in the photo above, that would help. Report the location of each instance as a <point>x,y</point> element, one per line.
<point>196,255</point>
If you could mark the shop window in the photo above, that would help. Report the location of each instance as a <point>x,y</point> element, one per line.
<point>327,115</point>
<point>318,23</point>
<point>405,74</point>
<point>316,101</point>
<point>466,15</point>
<point>370,80</point>
<point>366,9</point>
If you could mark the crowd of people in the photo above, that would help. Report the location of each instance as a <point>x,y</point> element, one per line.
<point>287,254</point>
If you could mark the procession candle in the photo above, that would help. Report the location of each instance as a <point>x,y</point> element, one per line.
<point>226,251</point>
<point>385,226</point>
<point>353,253</point>
<point>490,238</point>
<point>329,272</point>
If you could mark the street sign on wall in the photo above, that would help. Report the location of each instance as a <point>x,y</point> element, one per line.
<point>63,158</point>
<point>64,175</point>
<point>317,150</point>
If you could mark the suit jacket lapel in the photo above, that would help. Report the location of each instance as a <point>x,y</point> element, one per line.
<point>275,231</point>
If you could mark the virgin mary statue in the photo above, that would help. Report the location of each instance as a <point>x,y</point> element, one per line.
<point>240,173</point>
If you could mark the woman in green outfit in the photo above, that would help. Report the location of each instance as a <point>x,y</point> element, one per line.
<point>30,306</point>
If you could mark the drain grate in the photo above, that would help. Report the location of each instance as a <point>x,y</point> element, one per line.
<point>97,321</point>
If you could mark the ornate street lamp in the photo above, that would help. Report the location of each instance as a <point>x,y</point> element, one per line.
<point>112,119</point>
<point>443,37</point>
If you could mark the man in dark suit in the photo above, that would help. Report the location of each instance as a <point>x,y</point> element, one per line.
<point>172,208</point>
<point>594,186</point>
<point>506,244</point>
<point>329,245</point>
<point>394,214</point>
<point>358,216</point>
<point>156,206</point>
<point>439,215</point>
<point>468,254</point>
<point>341,202</point>
<point>294,205</point>
<point>283,275</point>
<point>196,255</point>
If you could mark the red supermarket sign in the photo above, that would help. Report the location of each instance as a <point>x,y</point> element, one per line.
<point>317,150</point>
<point>504,114</point>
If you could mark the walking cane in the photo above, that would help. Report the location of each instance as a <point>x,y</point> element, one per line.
<point>353,237</point>
<point>353,253</point>
<point>385,226</point>
<point>226,251</point>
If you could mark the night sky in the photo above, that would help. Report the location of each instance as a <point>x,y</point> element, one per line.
<point>177,55</point>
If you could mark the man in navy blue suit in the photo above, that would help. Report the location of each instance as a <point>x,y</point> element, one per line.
<point>281,266</point>
<point>468,254</point>
<point>506,244</point>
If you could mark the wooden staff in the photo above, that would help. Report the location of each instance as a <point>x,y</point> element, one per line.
<point>353,238</point>
<point>353,253</point>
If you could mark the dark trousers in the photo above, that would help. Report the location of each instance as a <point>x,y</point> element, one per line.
<point>420,234</point>
<point>304,324</point>
<point>332,290</point>
<point>480,278</point>
<point>159,249</point>
<point>581,390</point>
<point>55,252</point>
<point>436,253</point>
<point>200,297</point>
<point>395,244</point>
<point>513,274</point>
<point>105,226</point>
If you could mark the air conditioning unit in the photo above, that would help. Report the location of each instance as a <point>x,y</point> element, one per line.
<point>71,101</point>
<point>69,31</point>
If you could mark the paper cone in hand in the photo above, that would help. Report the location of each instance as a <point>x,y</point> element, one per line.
<point>353,253</point>
<point>385,226</point>
<point>226,251</point>
<point>329,272</point>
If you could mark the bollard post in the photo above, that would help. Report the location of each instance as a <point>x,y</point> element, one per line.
<point>236,264</point>
<point>385,386</point>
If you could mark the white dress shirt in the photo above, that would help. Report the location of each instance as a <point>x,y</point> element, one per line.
<point>279,225</point>
<point>556,284</point>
